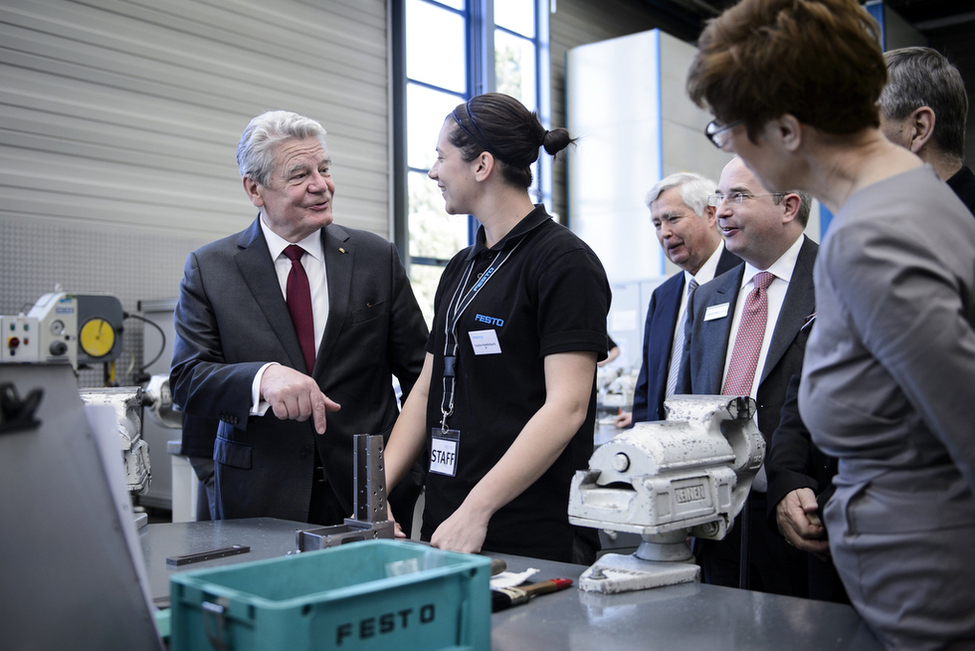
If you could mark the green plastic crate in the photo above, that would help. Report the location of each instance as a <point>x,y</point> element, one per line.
<point>375,594</point>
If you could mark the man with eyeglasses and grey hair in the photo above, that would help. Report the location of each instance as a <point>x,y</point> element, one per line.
<point>687,230</point>
<point>746,335</point>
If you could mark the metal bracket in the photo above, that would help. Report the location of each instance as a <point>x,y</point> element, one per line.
<point>369,511</point>
<point>210,554</point>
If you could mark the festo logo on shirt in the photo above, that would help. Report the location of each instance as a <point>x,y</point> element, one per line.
<point>490,320</point>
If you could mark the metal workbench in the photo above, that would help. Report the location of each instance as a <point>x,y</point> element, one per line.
<point>690,616</point>
<point>68,560</point>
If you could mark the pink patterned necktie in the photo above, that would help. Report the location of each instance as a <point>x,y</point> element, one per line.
<point>748,342</point>
<point>299,305</point>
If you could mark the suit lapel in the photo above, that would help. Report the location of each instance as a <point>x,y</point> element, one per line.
<point>799,303</point>
<point>662,333</point>
<point>339,259</point>
<point>718,331</point>
<point>667,311</point>
<point>726,261</point>
<point>257,269</point>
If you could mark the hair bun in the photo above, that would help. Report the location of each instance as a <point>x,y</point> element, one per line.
<point>556,140</point>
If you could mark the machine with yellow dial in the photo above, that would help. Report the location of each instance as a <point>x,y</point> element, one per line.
<point>100,328</point>
<point>97,337</point>
<point>65,327</point>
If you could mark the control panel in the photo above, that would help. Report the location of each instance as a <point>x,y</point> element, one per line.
<point>20,340</point>
<point>81,329</point>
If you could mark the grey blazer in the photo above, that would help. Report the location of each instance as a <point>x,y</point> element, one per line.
<point>232,318</point>
<point>888,389</point>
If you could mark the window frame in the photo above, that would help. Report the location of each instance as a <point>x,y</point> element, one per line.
<point>480,66</point>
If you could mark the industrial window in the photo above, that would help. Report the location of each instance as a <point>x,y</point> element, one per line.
<point>444,53</point>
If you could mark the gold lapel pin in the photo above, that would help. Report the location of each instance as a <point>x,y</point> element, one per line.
<point>341,250</point>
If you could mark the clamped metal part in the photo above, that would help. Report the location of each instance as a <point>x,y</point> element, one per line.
<point>685,476</point>
<point>158,399</point>
<point>127,403</point>
<point>369,510</point>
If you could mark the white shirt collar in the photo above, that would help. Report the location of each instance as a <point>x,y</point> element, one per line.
<point>708,269</point>
<point>781,268</point>
<point>277,244</point>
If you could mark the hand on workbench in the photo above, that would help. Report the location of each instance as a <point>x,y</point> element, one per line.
<point>293,395</point>
<point>798,519</point>
<point>461,532</point>
<point>397,530</point>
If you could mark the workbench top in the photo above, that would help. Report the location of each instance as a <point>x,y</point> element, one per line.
<point>689,616</point>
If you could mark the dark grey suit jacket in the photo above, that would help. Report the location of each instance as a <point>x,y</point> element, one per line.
<point>706,342</point>
<point>658,340</point>
<point>232,318</point>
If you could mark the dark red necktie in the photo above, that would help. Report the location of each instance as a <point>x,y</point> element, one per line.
<point>299,305</point>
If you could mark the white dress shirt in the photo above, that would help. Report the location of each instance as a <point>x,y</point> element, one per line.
<point>314,264</point>
<point>782,270</point>
<point>704,274</point>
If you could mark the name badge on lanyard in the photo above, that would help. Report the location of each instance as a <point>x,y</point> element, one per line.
<point>485,342</point>
<point>443,455</point>
<point>443,451</point>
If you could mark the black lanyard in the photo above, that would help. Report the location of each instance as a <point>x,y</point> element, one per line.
<point>455,309</point>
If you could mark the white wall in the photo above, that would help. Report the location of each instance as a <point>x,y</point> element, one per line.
<point>576,22</point>
<point>626,103</point>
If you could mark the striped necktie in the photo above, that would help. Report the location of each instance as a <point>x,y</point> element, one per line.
<point>676,355</point>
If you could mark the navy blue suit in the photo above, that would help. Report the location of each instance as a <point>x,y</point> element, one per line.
<point>658,342</point>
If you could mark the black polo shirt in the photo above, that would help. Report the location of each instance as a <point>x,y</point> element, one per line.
<point>549,296</point>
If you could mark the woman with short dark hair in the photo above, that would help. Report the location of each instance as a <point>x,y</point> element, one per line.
<point>889,374</point>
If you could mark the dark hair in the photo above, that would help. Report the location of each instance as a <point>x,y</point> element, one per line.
<point>920,76</point>
<point>805,205</point>
<point>502,126</point>
<point>818,60</point>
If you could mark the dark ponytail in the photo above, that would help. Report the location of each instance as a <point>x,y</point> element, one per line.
<point>502,126</point>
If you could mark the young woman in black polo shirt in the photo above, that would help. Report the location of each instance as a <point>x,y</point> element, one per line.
<point>505,405</point>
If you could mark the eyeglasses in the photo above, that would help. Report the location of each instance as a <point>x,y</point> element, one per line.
<point>718,134</point>
<point>715,200</point>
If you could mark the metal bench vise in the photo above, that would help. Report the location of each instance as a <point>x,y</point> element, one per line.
<point>685,476</point>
